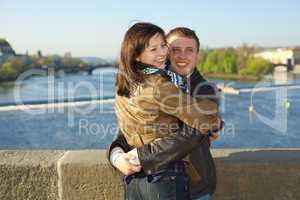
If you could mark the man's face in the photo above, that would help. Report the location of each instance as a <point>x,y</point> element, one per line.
<point>183,54</point>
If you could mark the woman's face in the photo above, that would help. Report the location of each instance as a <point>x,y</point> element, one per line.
<point>155,53</point>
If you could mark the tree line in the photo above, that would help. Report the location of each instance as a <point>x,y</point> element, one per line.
<point>233,61</point>
<point>239,62</point>
<point>16,65</point>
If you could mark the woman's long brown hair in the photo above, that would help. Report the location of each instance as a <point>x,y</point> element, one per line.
<point>134,43</point>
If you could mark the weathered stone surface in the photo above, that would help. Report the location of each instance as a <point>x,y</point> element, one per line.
<point>88,175</point>
<point>257,174</point>
<point>28,175</point>
<point>243,174</point>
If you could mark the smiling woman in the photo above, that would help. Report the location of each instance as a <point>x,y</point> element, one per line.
<point>155,52</point>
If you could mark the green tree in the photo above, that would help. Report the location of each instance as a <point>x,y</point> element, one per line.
<point>256,66</point>
<point>8,72</point>
<point>219,61</point>
<point>71,62</point>
<point>210,64</point>
<point>233,61</point>
<point>230,61</point>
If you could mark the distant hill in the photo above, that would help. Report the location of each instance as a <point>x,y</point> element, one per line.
<point>95,60</point>
<point>5,48</point>
<point>6,51</point>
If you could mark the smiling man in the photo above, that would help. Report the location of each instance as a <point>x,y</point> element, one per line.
<point>184,50</point>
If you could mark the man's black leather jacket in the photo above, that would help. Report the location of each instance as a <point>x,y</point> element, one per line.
<point>186,142</point>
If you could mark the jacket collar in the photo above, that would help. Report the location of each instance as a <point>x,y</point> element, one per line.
<point>149,69</point>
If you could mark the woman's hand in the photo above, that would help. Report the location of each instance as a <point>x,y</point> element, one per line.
<point>123,164</point>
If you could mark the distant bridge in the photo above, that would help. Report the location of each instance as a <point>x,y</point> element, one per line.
<point>70,69</point>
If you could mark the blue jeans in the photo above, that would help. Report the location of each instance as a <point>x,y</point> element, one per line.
<point>169,184</point>
<point>206,197</point>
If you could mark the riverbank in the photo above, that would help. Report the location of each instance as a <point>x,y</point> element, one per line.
<point>234,77</point>
<point>86,174</point>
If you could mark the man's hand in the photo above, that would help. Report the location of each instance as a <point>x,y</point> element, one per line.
<point>123,164</point>
<point>213,137</point>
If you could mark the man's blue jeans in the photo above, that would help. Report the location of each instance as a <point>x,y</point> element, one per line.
<point>206,197</point>
<point>169,185</point>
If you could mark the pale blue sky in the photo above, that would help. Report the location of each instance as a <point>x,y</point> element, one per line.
<point>96,28</point>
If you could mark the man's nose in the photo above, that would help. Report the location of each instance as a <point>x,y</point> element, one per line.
<point>182,55</point>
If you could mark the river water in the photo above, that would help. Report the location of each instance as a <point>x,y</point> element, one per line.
<point>76,111</point>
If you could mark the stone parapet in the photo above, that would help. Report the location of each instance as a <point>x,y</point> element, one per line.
<point>242,174</point>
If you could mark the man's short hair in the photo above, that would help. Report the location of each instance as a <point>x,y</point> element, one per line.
<point>184,32</point>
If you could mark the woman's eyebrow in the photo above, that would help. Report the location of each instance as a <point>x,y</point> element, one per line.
<point>154,45</point>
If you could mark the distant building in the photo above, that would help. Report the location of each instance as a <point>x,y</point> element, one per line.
<point>6,51</point>
<point>68,55</point>
<point>282,56</point>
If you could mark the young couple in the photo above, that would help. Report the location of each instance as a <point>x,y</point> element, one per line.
<point>167,115</point>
